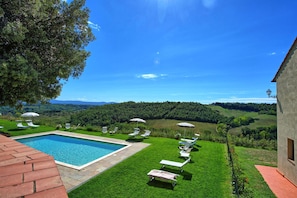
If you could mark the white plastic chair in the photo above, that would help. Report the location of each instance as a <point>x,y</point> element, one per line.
<point>67,126</point>
<point>104,129</point>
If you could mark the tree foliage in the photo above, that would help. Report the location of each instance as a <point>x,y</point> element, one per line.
<point>41,45</point>
<point>250,107</point>
<point>123,112</point>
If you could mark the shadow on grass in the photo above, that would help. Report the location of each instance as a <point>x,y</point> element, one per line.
<point>185,174</point>
<point>17,129</point>
<point>160,184</point>
<point>134,139</point>
<point>5,134</point>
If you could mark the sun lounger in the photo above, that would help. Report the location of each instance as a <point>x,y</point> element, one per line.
<point>114,131</point>
<point>163,175</point>
<point>175,164</point>
<point>191,141</point>
<point>135,133</point>
<point>67,126</point>
<point>146,134</point>
<point>184,154</point>
<point>21,126</point>
<point>30,123</point>
<point>186,147</point>
<point>104,129</point>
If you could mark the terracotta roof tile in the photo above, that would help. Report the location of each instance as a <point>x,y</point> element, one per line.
<point>26,172</point>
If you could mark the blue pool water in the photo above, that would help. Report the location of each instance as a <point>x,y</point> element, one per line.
<point>70,150</point>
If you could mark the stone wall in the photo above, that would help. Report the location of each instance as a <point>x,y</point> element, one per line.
<point>287,117</point>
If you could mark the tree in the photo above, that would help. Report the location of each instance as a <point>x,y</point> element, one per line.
<point>41,45</point>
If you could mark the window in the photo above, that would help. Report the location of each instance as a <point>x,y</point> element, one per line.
<point>291,149</point>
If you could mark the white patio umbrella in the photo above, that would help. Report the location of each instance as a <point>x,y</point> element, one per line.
<point>30,114</point>
<point>137,120</point>
<point>185,124</point>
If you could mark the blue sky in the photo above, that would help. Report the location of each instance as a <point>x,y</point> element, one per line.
<point>184,50</point>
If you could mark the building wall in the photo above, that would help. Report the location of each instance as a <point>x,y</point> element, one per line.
<point>287,117</point>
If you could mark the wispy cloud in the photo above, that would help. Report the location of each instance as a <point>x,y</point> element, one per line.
<point>94,26</point>
<point>148,76</point>
<point>272,53</point>
<point>151,76</point>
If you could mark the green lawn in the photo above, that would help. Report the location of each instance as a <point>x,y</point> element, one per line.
<point>208,174</point>
<point>11,128</point>
<point>248,158</point>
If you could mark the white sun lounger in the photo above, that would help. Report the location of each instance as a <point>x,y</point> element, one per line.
<point>146,134</point>
<point>163,175</point>
<point>30,123</point>
<point>175,164</point>
<point>67,126</point>
<point>21,126</point>
<point>190,141</point>
<point>184,154</point>
<point>104,129</point>
<point>113,131</point>
<point>135,133</point>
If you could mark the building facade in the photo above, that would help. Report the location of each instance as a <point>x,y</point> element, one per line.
<point>286,84</point>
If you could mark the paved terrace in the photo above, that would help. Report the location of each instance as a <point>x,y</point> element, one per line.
<point>27,172</point>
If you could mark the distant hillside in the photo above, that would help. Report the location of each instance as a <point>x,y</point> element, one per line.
<point>123,112</point>
<point>75,102</point>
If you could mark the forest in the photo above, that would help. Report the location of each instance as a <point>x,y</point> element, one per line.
<point>92,118</point>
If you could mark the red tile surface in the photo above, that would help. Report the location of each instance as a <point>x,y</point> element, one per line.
<point>279,185</point>
<point>50,193</point>
<point>37,155</point>
<point>48,183</point>
<point>40,174</point>
<point>2,153</point>
<point>44,164</point>
<point>24,153</point>
<point>14,160</point>
<point>11,180</point>
<point>15,169</point>
<point>17,190</point>
<point>28,173</point>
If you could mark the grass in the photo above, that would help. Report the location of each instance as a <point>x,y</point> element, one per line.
<point>228,112</point>
<point>248,158</point>
<point>11,128</point>
<point>208,174</point>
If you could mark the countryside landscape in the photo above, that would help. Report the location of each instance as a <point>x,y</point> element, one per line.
<point>249,129</point>
<point>182,85</point>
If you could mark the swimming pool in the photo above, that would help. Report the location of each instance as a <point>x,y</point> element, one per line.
<point>72,151</point>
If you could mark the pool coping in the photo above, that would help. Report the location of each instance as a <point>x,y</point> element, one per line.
<point>72,135</point>
<point>73,178</point>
